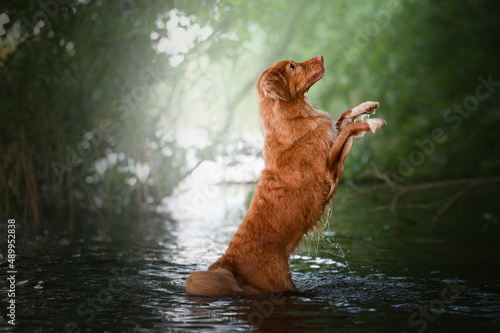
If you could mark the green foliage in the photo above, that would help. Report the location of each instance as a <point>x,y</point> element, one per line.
<point>419,59</point>
<point>76,79</point>
<point>93,92</point>
<point>434,58</point>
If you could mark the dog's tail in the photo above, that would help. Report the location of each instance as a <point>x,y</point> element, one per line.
<point>219,282</point>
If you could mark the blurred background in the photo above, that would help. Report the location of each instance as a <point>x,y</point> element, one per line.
<point>109,107</point>
<point>130,144</point>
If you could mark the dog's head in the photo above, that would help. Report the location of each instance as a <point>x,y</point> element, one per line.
<point>287,80</point>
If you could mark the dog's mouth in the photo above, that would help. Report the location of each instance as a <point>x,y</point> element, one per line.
<point>315,78</point>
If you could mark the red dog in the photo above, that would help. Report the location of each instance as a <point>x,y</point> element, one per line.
<point>304,157</point>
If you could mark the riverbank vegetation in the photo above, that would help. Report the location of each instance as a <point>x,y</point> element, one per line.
<point>108,106</point>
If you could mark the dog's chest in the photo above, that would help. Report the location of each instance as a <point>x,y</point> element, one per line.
<point>306,139</point>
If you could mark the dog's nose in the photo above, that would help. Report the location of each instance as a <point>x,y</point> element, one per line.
<point>320,58</point>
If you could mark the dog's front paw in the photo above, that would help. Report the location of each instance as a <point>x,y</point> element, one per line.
<point>375,124</point>
<point>365,108</point>
<point>356,114</point>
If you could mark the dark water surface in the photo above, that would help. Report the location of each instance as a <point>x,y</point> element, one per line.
<point>368,273</point>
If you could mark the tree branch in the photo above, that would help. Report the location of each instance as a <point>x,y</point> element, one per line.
<point>400,191</point>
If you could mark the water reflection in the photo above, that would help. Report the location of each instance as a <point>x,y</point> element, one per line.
<point>361,276</point>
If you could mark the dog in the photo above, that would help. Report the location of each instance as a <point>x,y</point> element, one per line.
<point>304,157</point>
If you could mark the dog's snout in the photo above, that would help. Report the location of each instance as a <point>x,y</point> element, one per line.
<point>320,58</point>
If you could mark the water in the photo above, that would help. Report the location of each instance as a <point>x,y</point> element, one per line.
<point>368,273</point>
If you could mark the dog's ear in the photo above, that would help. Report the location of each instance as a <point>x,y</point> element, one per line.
<point>274,86</point>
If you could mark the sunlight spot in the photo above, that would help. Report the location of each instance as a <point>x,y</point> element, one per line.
<point>191,137</point>
<point>176,60</point>
<point>153,145</point>
<point>204,33</point>
<point>142,171</point>
<point>184,21</point>
<point>70,46</point>
<point>4,18</point>
<point>100,166</point>
<point>167,151</point>
<point>162,45</point>
<point>85,145</point>
<point>112,158</point>
<point>88,136</point>
<point>131,181</point>
<point>154,35</point>
<point>159,23</point>
<point>181,35</point>
<point>38,27</point>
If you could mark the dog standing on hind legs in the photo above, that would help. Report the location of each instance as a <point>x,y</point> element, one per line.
<point>304,157</point>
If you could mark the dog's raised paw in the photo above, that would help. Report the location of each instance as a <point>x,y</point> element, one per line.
<point>375,124</point>
<point>364,109</point>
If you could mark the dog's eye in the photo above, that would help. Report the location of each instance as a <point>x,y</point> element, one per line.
<point>292,66</point>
